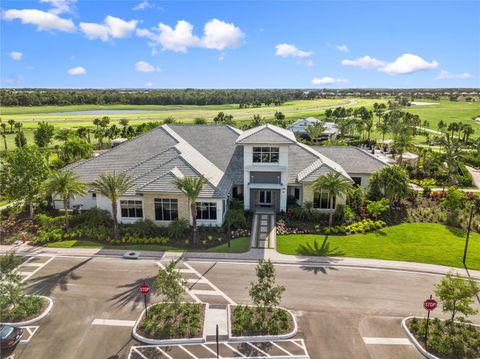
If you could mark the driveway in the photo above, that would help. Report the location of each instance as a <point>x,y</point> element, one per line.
<point>342,312</point>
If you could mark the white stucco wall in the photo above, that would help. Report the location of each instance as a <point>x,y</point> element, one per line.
<point>87,201</point>
<point>250,166</point>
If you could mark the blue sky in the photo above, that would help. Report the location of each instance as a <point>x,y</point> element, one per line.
<point>264,44</point>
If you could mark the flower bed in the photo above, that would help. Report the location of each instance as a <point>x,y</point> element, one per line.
<point>164,322</point>
<point>257,321</point>
<point>27,308</point>
<point>462,341</point>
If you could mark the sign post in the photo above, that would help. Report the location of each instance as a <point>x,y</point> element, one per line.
<point>430,304</point>
<point>145,289</point>
<point>216,337</point>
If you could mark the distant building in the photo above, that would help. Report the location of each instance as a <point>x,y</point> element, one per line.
<point>300,127</point>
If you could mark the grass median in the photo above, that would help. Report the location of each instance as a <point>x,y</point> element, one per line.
<point>411,242</point>
<point>238,245</point>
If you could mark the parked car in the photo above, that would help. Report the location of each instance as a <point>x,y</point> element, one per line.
<point>9,336</point>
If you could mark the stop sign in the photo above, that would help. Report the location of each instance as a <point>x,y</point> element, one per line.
<point>144,289</point>
<point>430,304</point>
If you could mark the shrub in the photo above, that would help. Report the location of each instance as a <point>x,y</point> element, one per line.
<point>177,228</point>
<point>142,228</point>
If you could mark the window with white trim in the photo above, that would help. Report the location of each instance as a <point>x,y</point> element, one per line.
<point>321,200</point>
<point>206,210</point>
<point>131,208</point>
<point>166,209</point>
<point>266,154</point>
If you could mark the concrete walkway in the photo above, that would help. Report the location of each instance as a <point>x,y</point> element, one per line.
<point>263,230</point>
<point>216,315</point>
<point>252,256</point>
<point>475,175</point>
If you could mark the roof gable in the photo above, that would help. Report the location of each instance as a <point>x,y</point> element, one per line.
<point>266,134</point>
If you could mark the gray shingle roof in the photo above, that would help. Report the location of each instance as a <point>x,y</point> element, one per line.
<point>352,159</point>
<point>267,134</point>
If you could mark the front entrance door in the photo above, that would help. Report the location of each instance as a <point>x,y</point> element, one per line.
<point>265,199</point>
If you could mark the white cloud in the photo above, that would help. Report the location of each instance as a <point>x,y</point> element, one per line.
<point>13,80</point>
<point>365,62</point>
<point>446,75</point>
<point>328,81</point>
<point>142,6</point>
<point>74,71</point>
<point>148,84</point>
<point>43,20</point>
<point>407,64</point>
<point>177,39</point>
<point>219,35</point>
<point>143,66</point>
<point>60,6</point>
<point>221,57</point>
<point>309,63</point>
<point>288,50</point>
<point>15,55</point>
<point>342,48</point>
<point>112,28</point>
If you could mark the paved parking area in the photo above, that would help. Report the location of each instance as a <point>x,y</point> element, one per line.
<point>342,313</point>
<point>280,349</point>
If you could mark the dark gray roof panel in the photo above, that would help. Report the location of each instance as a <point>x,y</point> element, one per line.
<point>352,159</point>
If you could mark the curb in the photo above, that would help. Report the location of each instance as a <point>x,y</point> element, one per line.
<point>142,339</point>
<point>414,340</point>
<point>261,338</point>
<point>36,319</point>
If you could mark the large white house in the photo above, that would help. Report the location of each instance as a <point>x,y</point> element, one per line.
<point>264,165</point>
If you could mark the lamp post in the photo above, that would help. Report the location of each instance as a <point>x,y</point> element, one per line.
<point>468,233</point>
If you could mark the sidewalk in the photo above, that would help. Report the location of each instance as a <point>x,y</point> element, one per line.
<point>253,255</point>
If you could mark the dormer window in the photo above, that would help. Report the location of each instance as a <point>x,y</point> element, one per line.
<point>265,154</point>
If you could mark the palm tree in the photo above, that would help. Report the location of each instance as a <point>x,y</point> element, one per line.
<point>315,130</point>
<point>63,134</point>
<point>403,141</point>
<point>11,123</point>
<point>4,135</point>
<point>124,122</point>
<point>452,148</point>
<point>113,185</point>
<point>64,184</point>
<point>192,186</point>
<point>335,184</point>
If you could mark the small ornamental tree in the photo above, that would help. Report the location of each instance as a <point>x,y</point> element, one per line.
<point>264,292</point>
<point>11,285</point>
<point>170,284</point>
<point>456,295</point>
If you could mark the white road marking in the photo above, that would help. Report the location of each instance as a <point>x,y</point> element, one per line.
<point>258,349</point>
<point>31,330</point>
<point>205,292</point>
<point>138,352</point>
<point>209,349</point>
<point>28,275</point>
<point>28,264</point>
<point>233,349</point>
<point>282,349</point>
<point>387,341</point>
<point>164,353</point>
<point>226,297</point>
<point>114,323</point>
<point>188,352</point>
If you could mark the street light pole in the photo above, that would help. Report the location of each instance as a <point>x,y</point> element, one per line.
<point>468,233</point>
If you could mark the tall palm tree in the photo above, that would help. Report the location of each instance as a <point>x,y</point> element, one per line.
<point>192,186</point>
<point>315,130</point>
<point>11,123</point>
<point>403,141</point>
<point>335,184</point>
<point>64,184</point>
<point>452,148</point>
<point>113,185</point>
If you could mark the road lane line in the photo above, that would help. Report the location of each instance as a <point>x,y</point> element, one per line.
<point>30,274</point>
<point>387,341</point>
<point>114,323</point>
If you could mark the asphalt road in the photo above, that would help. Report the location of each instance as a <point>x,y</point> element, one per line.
<point>336,308</point>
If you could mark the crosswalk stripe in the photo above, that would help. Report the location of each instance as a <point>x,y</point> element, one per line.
<point>114,323</point>
<point>387,341</point>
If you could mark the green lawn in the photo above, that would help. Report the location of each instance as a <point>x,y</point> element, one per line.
<point>238,245</point>
<point>413,242</point>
